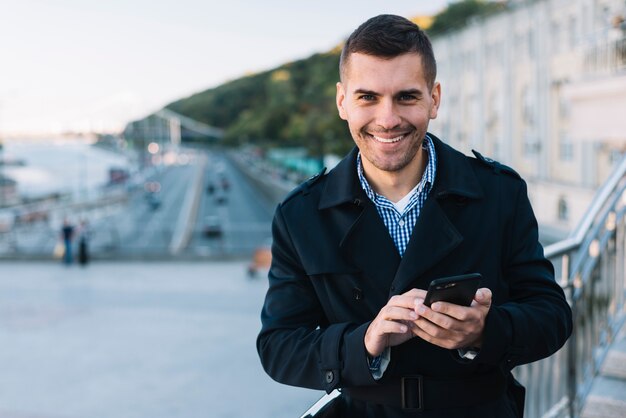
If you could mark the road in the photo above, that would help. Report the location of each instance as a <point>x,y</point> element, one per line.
<point>242,212</point>
<point>150,223</point>
<point>245,214</point>
<point>136,340</point>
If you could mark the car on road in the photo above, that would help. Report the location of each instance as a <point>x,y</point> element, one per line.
<point>220,198</point>
<point>212,227</point>
<point>225,184</point>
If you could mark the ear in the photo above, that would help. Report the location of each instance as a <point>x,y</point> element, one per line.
<point>341,97</point>
<point>435,94</point>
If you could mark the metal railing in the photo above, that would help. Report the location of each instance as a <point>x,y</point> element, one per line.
<point>607,57</point>
<point>590,265</point>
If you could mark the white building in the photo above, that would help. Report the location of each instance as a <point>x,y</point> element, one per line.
<point>542,88</point>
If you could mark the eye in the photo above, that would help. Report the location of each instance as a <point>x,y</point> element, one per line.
<point>407,97</point>
<point>367,97</point>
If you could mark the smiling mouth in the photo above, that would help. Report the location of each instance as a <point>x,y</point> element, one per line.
<point>388,140</point>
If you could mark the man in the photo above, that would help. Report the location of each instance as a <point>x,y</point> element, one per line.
<point>67,234</point>
<point>354,250</point>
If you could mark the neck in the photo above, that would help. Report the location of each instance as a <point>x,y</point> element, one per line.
<point>394,185</point>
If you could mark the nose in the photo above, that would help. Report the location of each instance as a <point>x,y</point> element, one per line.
<point>387,116</point>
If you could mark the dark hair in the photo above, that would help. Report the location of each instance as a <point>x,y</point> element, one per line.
<point>388,36</point>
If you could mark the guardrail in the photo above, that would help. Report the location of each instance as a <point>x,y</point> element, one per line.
<point>590,265</point>
<point>605,57</point>
<point>110,241</point>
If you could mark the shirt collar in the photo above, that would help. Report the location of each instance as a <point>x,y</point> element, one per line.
<point>425,184</point>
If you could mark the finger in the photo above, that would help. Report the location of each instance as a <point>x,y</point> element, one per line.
<point>458,312</point>
<point>483,296</point>
<point>406,300</point>
<point>391,327</point>
<point>441,342</point>
<point>416,293</point>
<point>394,313</point>
<point>443,320</point>
<point>429,327</point>
<point>438,338</point>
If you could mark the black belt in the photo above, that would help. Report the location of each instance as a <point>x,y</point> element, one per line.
<point>420,393</point>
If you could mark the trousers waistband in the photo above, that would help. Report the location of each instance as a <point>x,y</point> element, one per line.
<point>419,393</point>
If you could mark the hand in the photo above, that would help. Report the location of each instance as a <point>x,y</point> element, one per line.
<point>392,325</point>
<point>452,326</point>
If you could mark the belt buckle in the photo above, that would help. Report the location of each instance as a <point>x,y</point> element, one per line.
<point>412,393</point>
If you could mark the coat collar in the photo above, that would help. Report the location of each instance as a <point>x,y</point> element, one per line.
<point>342,183</point>
<point>454,177</point>
<point>365,238</point>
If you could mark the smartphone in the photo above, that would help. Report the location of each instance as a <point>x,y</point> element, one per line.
<point>459,290</point>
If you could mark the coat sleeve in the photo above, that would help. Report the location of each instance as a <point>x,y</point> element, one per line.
<point>536,319</point>
<point>297,344</point>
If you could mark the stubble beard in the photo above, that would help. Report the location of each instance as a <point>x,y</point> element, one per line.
<point>392,163</point>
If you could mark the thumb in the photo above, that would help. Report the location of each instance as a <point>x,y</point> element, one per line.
<point>483,296</point>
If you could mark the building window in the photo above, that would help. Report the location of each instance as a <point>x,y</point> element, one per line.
<point>563,210</point>
<point>566,148</point>
<point>521,40</point>
<point>531,44</point>
<point>493,109</point>
<point>564,108</point>
<point>602,17</point>
<point>531,147</point>
<point>528,106</point>
<point>573,32</point>
<point>616,156</point>
<point>556,38</point>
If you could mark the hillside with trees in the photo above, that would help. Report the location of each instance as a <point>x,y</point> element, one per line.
<point>294,104</point>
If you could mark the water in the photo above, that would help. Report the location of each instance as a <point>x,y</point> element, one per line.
<point>72,166</point>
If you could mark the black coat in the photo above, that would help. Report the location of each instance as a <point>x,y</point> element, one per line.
<point>335,266</point>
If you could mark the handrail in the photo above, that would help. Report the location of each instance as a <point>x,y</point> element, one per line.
<point>577,236</point>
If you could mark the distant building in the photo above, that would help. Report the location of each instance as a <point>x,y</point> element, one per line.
<point>540,87</point>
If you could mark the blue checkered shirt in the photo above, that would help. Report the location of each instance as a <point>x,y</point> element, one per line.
<point>400,225</point>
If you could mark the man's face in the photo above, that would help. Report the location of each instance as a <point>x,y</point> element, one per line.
<point>388,105</point>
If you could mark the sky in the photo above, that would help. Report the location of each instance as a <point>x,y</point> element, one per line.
<point>87,65</point>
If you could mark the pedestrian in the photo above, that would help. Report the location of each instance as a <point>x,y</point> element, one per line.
<point>67,235</point>
<point>84,234</point>
<point>354,250</point>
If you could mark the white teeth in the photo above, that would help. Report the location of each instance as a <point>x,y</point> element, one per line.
<point>388,140</point>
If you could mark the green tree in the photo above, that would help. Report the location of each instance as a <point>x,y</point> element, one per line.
<point>291,105</point>
<point>459,13</point>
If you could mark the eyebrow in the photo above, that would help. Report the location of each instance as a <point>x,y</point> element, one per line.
<point>364,91</point>
<point>415,92</point>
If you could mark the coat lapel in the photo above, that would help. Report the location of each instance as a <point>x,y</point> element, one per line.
<point>434,234</point>
<point>365,239</point>
<point>368,244</point>
<point>433,238</point>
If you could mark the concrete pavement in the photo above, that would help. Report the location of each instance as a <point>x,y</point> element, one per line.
<point>607,398</point>
<point>130,340</point>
